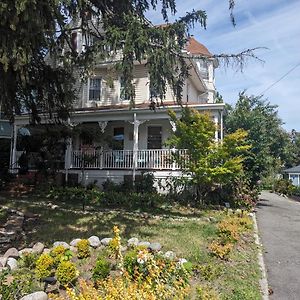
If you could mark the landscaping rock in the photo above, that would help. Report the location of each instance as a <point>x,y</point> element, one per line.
<point>25,250</point>
<point>12,252</point>
<point>38,248</point>
<point>94,241</point>
<point>29,214</point>
<point>3,261</point>
<point>170,255</point>
<point>50,280</point>
<point>144,244</point>
<point>133,242</point>
<point>182,261</point>
<point>46,251</point>
<point>73,249</point>
<point>64,244</point>
<point>123,248</point>
<point>212,219</point>
<point>36,296</point>
<point>155,246</point>
<point>74,242</point>
<point>12,263</point>
<point>106,241</point>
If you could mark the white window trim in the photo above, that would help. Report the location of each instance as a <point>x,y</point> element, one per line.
<point>101,89</point>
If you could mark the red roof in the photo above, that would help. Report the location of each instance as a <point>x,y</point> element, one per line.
<point>194,47</point>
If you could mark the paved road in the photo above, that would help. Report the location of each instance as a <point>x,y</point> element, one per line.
<point>279,228</point>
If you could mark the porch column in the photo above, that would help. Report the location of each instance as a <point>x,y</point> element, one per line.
<point>136,124</point>
<point>13,155</point>
<point>68,158</point>
<point>221,126</point>
<point>173,126</point>
<point>216,121</point>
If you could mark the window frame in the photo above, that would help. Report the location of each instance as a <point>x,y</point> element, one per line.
<point>100,89</point>
<point>161,136</point>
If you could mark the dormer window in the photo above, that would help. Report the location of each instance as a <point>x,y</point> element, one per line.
<point>94,89</point>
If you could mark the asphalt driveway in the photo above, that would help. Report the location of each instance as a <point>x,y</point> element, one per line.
<point>279,228</point>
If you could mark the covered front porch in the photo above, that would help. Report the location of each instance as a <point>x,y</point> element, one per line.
<point>119,140</point>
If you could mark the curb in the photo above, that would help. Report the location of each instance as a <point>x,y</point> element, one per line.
<point>263,282</point>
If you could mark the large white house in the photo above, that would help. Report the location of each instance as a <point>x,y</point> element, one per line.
<point>138,134</point>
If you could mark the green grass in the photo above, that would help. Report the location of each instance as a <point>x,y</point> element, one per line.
<point>185,231</point>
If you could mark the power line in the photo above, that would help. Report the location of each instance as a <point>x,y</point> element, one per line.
<point>274,83</point>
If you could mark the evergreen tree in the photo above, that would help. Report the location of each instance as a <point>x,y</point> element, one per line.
<point>31,31</point>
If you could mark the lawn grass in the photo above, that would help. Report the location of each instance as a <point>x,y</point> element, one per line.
<point>187,232</point>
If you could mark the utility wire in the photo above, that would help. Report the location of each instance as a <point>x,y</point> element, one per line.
<point>274,83</point>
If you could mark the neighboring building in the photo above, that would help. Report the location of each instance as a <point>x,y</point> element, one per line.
<point>293,174</point>
<point>137,134</point>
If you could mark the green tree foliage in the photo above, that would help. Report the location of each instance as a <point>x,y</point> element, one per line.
<point>32,31</point>
<point>270,143</point>
<point>210,163</point>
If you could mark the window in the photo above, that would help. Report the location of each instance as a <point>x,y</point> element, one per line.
<point>94,89</point>
<point>154,137</point>
<point>203,68</point>
<point>118,138</point>
<point>123,95</point>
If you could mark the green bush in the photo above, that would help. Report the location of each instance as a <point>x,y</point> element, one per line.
<point>66,272</point>
<point>28,260</point>
<point>18,285</point>
<point>83,249</point>
<point>284,186</point>
<point>101,269</point>
<point>44,266</point>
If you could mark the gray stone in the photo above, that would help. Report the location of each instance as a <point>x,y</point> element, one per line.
<point>26,251</point>
<point>36,296</point>
<point>106,241</point>
<point>74,242</point>
<point>123,248</point>
<point>19,213</point>
<point>12,252</point>
<point>3,261</point>
<point>155,246</point>
<point>170,255</point>
<point>144,244</point>
<point>64,244</point>
<point>12,263</point>
<point>38,248</point>
<point>4,239</point>
<point>133,242</point>
<point>46,251</point>
<point>94,241</point>
<point>73,249</point>
<point>182,261</point>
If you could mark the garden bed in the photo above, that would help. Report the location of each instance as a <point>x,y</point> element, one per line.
<point>187,232</point>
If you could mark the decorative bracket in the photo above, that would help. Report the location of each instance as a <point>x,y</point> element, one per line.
<point>102,125</point>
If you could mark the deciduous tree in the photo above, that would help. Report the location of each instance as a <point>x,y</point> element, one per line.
<point>209,163</point>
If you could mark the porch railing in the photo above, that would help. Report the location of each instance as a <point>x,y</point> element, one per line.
<point>154,159</point>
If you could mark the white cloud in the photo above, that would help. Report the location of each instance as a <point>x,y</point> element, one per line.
<point>269,23</point>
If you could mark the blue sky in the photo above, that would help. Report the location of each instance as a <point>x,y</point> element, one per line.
<point>274,24</point>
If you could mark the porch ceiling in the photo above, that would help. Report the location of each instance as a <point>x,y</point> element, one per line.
<point>124,113</point>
